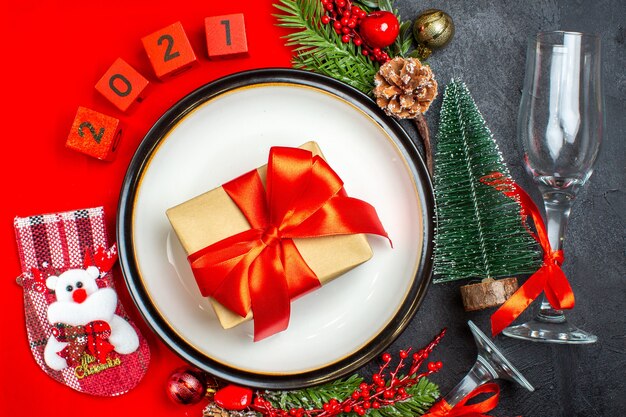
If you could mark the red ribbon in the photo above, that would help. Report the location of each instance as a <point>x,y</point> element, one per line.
<point>441,408</point>
<point>261,269</point>
<point>92,337</point>
<point>550,278</point>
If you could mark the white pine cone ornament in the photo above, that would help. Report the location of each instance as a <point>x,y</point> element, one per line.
<point>404,88</point>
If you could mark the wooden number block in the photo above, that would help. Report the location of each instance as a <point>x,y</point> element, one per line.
<point>169,51</point>
<point>226,36</point>
<point>122,85</point>
<point>94,134</point>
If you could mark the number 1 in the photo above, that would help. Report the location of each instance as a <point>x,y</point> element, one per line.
<point>226,24</point>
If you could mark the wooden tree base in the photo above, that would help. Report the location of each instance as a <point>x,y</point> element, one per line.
<point>488,293</point>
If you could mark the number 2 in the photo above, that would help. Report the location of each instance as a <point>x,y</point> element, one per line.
<point>226,24</point>
<point>87,125</point>
<point>168,49</point>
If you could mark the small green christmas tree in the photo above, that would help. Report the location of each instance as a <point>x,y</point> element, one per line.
<point>480,233</point>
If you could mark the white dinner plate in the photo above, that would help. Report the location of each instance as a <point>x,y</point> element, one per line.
<point>225,129</point>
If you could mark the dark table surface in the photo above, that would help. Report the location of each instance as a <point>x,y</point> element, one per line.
<point>488,53</point>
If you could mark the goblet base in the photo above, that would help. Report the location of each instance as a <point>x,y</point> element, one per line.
<point>490,365</point>
<point>538,330</point>
<point>497,365</point>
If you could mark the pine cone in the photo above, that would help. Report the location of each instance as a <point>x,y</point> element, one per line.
<point>404,88</point>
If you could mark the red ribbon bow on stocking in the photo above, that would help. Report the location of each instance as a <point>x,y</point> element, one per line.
<point>261,269</point>
<point>442,409</point>
<point>91,337</point>
<point>550,278</point>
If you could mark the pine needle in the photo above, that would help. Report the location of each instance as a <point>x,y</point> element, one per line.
<point>314,397</point>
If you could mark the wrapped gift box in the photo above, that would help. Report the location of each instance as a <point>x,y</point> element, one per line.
<point>213,216</point>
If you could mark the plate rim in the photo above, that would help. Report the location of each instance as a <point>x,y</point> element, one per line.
<point>150,144</point>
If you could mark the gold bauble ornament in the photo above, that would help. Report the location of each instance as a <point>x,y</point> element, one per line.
<point>433,29</point>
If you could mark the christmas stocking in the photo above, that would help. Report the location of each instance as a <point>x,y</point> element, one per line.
<point>78,331</point>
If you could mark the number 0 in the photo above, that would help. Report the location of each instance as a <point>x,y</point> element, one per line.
<point>124,80</point>
<point>226,24</point>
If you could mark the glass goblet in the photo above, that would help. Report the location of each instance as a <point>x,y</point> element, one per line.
<point>560,124</point>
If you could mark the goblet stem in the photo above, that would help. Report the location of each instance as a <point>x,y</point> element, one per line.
<point>550,325</point>
<point>558,205</point>
<point>478,375</point>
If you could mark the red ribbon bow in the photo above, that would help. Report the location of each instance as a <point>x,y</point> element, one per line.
<point>442,409</point>
<point>550,278</point>
<point>91,337</point>
<point>261,269</point>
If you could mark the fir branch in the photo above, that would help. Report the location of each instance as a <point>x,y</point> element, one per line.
<point>319,49</point>
<point>314,397</point>
<point>404,41</point>
<point>422,396</point>
<point>370,4</point>
<point>389,394</point>
<point>386,5</point>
